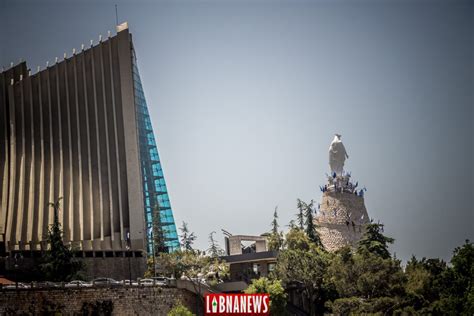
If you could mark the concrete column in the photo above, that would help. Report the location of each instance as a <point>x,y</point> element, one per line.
<point>96,115</point>
<point>69,194</point>
<point>51,197</point>
<point>107,146</point>
<point>31,176</point>
<point>119,211</point>
<point>4,159</point>
<point>11,206</point>
<point>61,150</point>
<point>20,202</point>
<point>90,222</point>
<point>134,183</point>
<point>79,214</point>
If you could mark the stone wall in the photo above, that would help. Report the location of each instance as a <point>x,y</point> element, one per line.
<point>93,301</point>
<point>118,268</point>
<point>341,219</point>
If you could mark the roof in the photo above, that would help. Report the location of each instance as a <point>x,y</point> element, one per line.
<point>4,281</point>
<point>249,257</point>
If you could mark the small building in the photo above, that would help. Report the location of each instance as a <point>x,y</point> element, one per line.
<point>251,261</point>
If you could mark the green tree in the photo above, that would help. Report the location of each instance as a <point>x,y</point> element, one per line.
<point>275,221</point>
<point>311,231</point>
<point>58,263</point>
<point>365,282</point>
<point>424,282</point>
<point>190,263</point>
<point>180,310</point>
<point>158,236</point>
<point>276,291</point>
<point>275,238</point>
<point>296,239</point>
<point>366,275</point>
<point>214,250</point>
<point>187,237</point>
<point>456,295</point>
<point>374,241</point>
<point>302,265</point>
<point>300,215</point>
<point>463,274</point>
<point>368,280</point>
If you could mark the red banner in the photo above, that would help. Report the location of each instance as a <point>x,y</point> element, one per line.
<point>237,304</point>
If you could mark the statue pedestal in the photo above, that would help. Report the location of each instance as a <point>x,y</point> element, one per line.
<point>341,219</point>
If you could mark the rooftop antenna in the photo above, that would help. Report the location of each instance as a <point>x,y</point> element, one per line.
<point>116,15</point>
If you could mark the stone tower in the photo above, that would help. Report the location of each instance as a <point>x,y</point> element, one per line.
<point>342,215</point>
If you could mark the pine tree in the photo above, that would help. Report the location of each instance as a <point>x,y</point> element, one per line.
<point>374,241</point>
<point>300,215</point>
<point>58,264</point>
<point>214,249</point>
<point>187,238</point>
<point>275,221</point>
<point>311,231</point>
<point>275,239</point>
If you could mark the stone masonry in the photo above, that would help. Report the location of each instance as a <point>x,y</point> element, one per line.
<point>341,218</point>
<point>94,301</point>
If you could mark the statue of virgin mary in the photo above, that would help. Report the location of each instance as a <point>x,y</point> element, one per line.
<point>337,155</point>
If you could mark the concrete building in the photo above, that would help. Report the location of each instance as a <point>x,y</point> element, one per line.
<point>80,130</point>
<point>248,262</point>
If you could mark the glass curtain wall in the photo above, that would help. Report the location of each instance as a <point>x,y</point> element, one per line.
<point>154,185</point>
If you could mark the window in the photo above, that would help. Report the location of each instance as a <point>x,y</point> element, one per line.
<point>271,266</point>
<point>256,268</point>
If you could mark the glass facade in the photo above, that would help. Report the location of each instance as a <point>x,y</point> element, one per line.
<point>154,185</point>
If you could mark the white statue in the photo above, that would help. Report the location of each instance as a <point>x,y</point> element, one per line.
<point>337,155</point>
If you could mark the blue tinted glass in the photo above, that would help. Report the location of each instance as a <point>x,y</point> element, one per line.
<point>154,185</point>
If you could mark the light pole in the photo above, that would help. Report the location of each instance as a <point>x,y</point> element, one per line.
<point>129,255</point>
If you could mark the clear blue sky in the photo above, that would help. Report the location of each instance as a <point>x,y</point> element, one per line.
<point>245,98</point>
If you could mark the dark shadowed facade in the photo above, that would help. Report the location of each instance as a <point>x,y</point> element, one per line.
<point>80,130</point>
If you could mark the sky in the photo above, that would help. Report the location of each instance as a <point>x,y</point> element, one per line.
<point>245,97</point>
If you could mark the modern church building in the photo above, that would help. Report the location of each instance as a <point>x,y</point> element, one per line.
<point>80,130</point>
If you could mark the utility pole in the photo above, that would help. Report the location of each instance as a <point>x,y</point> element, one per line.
<point>129,256</point>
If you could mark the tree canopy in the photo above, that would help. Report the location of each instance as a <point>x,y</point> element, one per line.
<point>275,237</point>
<point>58,261</point>
<point>187,237</point>
<point>214,249</point>
<point>374,241</point>
<point>276,291</point>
